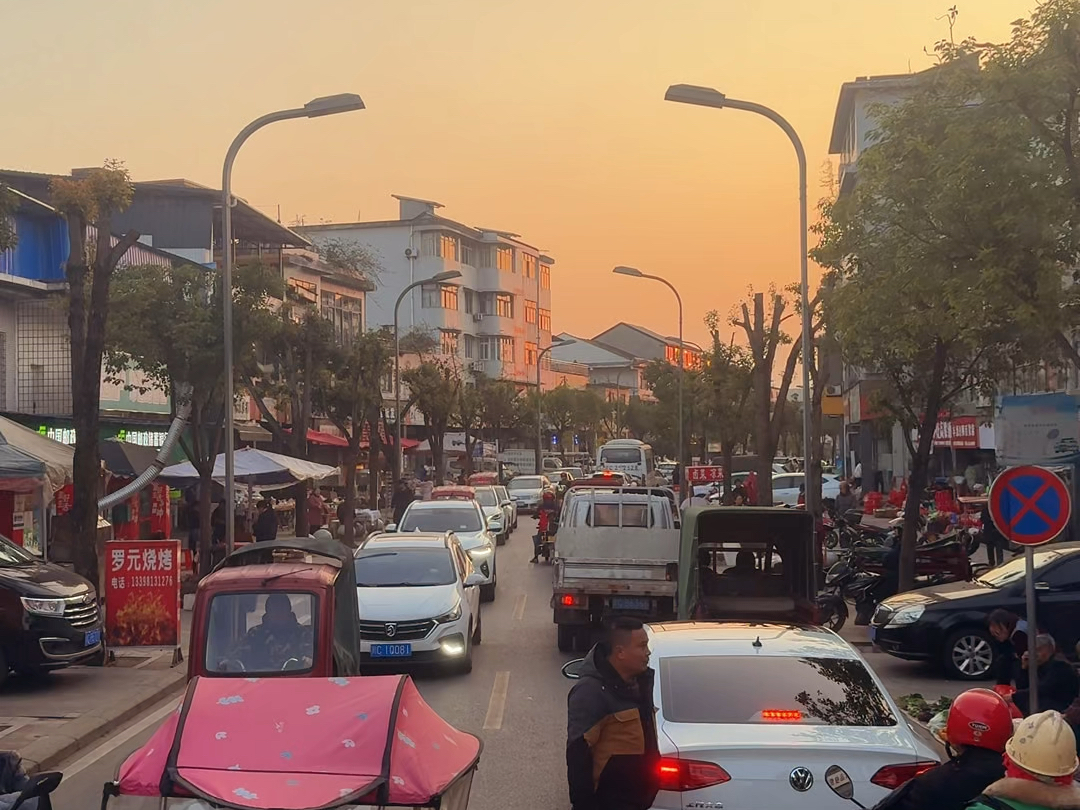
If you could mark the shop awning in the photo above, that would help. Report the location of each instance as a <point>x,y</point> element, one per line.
<point>327,439</point>
<point>126,460</point>
<point>253,433</point>
<point>24,449</point>
<point>255,467</point>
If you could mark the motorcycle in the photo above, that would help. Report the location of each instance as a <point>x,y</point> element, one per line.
<point>847,581</point>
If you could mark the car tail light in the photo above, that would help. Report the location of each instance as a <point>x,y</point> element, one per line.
<point>679,775</point>
<point>569,600</point>
<point>893,776</point>
<point>781,715</point>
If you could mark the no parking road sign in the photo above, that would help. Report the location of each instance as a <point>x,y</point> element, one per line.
<point>1030,505</point>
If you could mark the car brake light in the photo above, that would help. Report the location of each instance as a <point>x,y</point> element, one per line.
<point>893,776</point>
<point>679,775</point>
<point>568,600</point>
<point>782,715</point>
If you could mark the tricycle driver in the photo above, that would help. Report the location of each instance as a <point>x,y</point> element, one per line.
<point>279,642</point>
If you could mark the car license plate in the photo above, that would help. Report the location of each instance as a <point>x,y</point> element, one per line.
<point>631,602</point>
<point>92,638</point>
<point>391,650</point>
<point>873,635</point>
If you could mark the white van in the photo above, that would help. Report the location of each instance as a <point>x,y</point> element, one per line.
<point>630,456</point>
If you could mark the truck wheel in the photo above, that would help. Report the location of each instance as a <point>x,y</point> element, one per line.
<point>567,637</point>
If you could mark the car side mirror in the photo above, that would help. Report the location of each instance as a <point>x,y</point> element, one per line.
<point>572,669</point>
<point>390,527</point>
<point>474,579</point>
<point>506,503</point>
<point>495,524</point>
<point>1043,586</point>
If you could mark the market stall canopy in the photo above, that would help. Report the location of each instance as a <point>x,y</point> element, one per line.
<point>126,460</point>
<point>263,743</point>
<point>26,457</point>
<point>255,467</point>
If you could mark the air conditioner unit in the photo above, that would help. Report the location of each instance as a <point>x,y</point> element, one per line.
<point>477,366</point>
<point>832,390</point>
<point>478,316</point>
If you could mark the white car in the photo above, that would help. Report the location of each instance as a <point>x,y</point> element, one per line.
<point>753,716</point>
<point>526,490</point>
<point>497,515</point>
<point>419,600</point>
<point>467,522</point>
<point>511,505</point>
<point>785,487</point>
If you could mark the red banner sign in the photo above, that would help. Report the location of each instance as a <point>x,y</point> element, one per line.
<point>704,475</point>
<point>142,593</point>
<point>962,432</point>
<point>65,497</point>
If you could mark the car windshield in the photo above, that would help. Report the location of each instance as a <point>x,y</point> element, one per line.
<point>11,555</point>
<point>261,632</point>
<point>620,455</point>
<point>411,567</point>
<point>771,689</point>
<point>1014,569</point>
<point>487,497</point>
<point>525,482</point>
<point>454,519</point>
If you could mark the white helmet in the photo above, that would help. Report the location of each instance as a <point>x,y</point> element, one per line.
<point>1044,744</point>
<point>322,534</point>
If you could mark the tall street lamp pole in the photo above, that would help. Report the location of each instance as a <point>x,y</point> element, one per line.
<point>438,278</point>
<point>539,406</point>
<point>635,273</point>
<point>708,97</point>
<point>316,108</point>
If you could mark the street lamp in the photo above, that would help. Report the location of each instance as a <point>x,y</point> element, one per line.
<point>539,410</point>
<point>316,108</point>
<point>635,273</point>
<point>708,97</point>
<point>435,279</point>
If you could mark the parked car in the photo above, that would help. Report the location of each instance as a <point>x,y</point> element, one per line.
<point>793,701</point>
<point>511,505</point>
<point>526,490</point>
<point>466,520</point>
<point>947,623</point>
<point>786,487</point>
<point>419,600</point>
<point>49,616</point>
<point>498,515</point>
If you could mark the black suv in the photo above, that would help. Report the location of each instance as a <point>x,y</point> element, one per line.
<point>49,616</point>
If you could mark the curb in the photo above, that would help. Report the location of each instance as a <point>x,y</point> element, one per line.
<point>867,646</point>
<point>48,752</point>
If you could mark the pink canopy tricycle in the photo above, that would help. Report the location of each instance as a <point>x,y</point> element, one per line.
<point>277,744</point>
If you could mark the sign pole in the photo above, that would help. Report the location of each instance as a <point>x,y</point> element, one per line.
<point>1033,669</point>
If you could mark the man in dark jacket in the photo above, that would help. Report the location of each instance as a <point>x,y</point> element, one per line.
<point>266,524</point>
<point>1010,632</point>
<point>401,500</point>
<point>1058,684</point>
<point>611,746</point>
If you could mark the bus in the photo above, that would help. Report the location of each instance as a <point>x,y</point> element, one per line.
<point>630,456</point>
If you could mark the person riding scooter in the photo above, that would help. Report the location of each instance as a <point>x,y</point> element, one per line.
<point>546,521</point>
<point>979,725</point>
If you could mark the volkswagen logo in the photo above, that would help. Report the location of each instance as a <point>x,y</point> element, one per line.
<point>391,630</point>
<point>801,779</point>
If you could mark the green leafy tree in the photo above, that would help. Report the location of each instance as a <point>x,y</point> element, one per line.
<point>87,201</point>
<point>729,372</point>
<point>8,206</point>
<point>433,389</point>
<point>642,419</point>
<point>942,276</point>
<point>167,324</point>
<point>350,395</point>
<point>499,405</point>
<point>560,409</point>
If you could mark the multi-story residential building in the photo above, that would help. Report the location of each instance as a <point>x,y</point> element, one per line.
<point>494,320</point>
<point>644,344</point>
<point>615,375</point>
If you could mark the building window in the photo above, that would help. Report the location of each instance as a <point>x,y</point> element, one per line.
<point>504,305</point>
<point>468,252</point>
<point>346,315</point>
<point>470,301</point>
<point>530,354</point>
<point>504,258</point>
<point>528,265</point>
<point>448,246</point>
<point>545,277</point>
<point>483,348</point>
<point>448,341</point>
<point>386,382</point>
<point>530,311</point>
<point>545,320</point>
<point>470,346</point>
<point>299,289</point>
<point>505,348</point>
<point>442,296</point>
<point>429,243</point>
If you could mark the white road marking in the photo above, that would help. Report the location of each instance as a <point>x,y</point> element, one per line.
<point>493,720</point>
<point>519,607</point>
<point>116,741</point>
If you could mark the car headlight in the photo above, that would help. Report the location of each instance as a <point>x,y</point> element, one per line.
<point>452,616</point>
<point>44,607</point>
<point>907,615</point>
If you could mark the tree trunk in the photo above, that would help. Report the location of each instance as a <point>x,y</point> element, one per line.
<point>352,455</point>
<point>298,448</point>
<point>729,491</point>
<point>437,458</point>
<point>206,504</point>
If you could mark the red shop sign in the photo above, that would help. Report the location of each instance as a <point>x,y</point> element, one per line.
<point>65,497</point>
<point>704,475</point>
<point>142,593</point>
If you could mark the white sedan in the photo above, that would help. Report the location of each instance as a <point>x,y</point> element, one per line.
<point>786,486</point>
<point>754,715</point>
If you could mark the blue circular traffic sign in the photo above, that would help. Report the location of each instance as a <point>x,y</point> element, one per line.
<point>1030,505</point>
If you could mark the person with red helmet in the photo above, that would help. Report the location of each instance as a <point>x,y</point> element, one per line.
<point>545,520</point>
<point>978,726</point>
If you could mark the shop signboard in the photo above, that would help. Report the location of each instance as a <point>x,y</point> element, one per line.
<point>142,593</point>
<point>1040,429</point>
<point>704,475</point>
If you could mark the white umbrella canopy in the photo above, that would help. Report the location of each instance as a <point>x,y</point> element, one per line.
<point>254,467</point>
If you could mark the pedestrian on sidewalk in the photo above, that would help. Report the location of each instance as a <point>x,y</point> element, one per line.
<point>403,496</point>
<point>1058,684</point>
<point>317,511</point>
<point>994,540</point>
<point>266,524</point>
<point>1010,632</point>
<point>612,753</point>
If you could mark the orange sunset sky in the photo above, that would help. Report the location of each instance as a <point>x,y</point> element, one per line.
<point>543,118</point>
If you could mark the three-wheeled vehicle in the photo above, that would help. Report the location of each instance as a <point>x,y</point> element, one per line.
<point>258,743</point>
<point>743,562</point>
<point>286,607</point>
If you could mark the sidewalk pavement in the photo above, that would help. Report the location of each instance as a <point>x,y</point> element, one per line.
<point>48,719</point>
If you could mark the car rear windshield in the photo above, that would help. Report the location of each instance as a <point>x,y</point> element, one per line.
<point>755,690</point>
<point>487,497</point>
<point>619,455</point>
<point>463,519</point>
<point>404,568</point>
<point>526,482</point>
